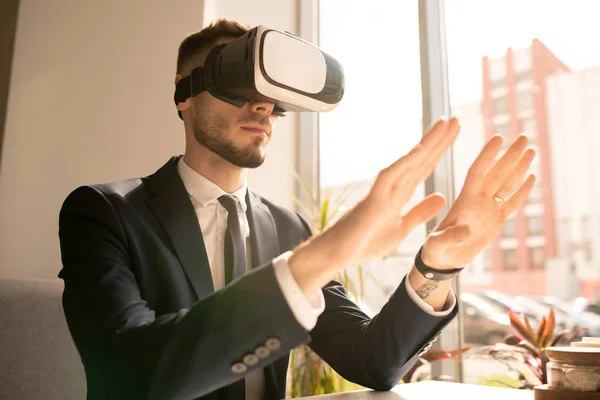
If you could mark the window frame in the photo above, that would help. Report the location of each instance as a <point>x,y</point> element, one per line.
<point>436,102</point>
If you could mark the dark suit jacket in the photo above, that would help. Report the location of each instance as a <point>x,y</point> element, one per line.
<point>148,324</point>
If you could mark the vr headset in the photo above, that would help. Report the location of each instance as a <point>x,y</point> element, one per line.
<point>268,65</point>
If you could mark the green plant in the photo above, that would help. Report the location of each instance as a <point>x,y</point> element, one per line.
<point>309,374</point>
<point>523,353</point>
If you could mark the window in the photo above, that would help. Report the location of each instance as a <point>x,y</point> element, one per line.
<point>537,258</point>
<point>380,135</point>
<point>534,168</point>
<point>395,88</point>
<point>499,83</point>
<point>528,127</point>
<point>510,228</point>
<point>536,225</point>
<point>524,100</point>
<point>586,231</point>
<point>487,261</point>
<point>586,234</point>
<point>588,251</point>
<point>500,105</point>
<point>497,69</point>
<point>510,259</point>
<point>522,60</point>
<point>536,194</point>
<point>504,130</point>
<point>525,49</point>
<point>523,76</point>
<point>564,237</point>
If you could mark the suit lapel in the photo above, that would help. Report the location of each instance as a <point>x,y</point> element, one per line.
<point>264,240</point>
<point>174,210</point>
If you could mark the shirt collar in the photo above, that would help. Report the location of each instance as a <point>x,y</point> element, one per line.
<point>204,191</point>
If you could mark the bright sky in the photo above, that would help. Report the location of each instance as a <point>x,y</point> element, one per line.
<point>377,42</point>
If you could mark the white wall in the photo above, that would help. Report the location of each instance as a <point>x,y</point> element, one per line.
<point>91,101</point>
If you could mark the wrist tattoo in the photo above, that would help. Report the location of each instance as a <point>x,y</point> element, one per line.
<point>425,290</point>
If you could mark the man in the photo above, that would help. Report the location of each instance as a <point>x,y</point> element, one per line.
<point>154,296</point>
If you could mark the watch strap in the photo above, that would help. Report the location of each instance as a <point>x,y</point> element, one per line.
<point>432,273</point>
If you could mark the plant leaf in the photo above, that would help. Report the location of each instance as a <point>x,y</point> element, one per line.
<point>361,282</point>
<point>342,201</point>
<point>439,354</point>
<point>549,329</point>
<point>323,212</point>
<point>460,351</point>
<point>527,322</point>
<point>540,332</point>
<point>577,332</point>
<point>557,338</point>
<point>304,207</point>
<point>527,346</point>
<point>374,280</point>
<point>436,355</point>
<point>520,329</point>
<point>306,192</point>
<point>512,340</point>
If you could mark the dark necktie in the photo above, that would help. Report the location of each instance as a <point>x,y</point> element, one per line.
<point>235,266</point>
<point>235,253</point>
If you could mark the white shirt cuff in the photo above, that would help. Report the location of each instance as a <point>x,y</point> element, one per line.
<point>306,310</point>
<point>428,308</point>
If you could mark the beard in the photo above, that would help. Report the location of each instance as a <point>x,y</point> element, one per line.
<point>210,131</point>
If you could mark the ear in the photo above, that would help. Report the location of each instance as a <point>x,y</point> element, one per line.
<point>184,105</point>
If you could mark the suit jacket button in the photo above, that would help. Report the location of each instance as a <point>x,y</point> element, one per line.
<point>262,352</point>
<point>238,368</point>
<point>251,359</point>
<point>273,344</point>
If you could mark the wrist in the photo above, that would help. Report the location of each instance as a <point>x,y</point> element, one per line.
<point>434,293</point>
<point>433,273</point>
<point>310,267</point>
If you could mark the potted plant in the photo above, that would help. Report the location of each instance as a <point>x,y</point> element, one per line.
<point>523,353</point>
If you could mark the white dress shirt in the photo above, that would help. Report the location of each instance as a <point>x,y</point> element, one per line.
<point>212,218</point>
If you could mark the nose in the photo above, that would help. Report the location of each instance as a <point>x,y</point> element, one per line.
<point>262,107</point>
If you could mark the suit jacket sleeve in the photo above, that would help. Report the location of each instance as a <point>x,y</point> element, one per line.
<point>374,353</point>
<point>179,355</point>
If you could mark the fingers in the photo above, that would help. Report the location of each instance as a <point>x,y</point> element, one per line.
<point>394,233</point>
<point>516,174</point>
<point>388,235</point>
<point>420,162</point>
<point>389,176</point>
<point>439,146</point>
<point>495,177</point>
<point>477,171</point>
<point>511,204</point>
<point>426,210</point>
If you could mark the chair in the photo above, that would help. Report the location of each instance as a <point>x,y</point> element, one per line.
<point>38,359</point>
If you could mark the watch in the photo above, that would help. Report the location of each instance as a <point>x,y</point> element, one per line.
<point>432,273</point>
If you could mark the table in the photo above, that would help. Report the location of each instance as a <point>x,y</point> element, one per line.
<point>433,390</point>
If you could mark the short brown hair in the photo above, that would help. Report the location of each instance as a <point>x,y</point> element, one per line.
<point>193,48</point>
